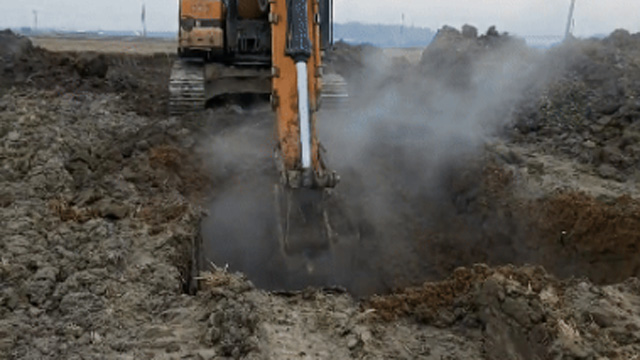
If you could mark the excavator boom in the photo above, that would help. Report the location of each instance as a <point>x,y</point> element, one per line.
<point>297,69</point>
<point>301,197</point>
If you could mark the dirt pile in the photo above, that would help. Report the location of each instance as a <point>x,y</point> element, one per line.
<point>98,230</point>
<point>524,313</point>
<point>141,79</point>
<point>348,60</point>
<point>591,112</point>
<point>13,47</point>
<point>23,63</point>
<point>454,55</point>
<point>233,323</point>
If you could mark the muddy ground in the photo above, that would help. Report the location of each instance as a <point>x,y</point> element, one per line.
<point>103,197</point>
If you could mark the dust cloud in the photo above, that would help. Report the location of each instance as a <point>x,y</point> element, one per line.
<point>409,147</point>
<point>239,231</point>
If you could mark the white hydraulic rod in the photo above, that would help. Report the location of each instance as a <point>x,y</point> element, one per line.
<point>303,111</point>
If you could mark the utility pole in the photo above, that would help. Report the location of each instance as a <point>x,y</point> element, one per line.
<point>143,17</point>
<point>567,32</point>
<point>35,20</point>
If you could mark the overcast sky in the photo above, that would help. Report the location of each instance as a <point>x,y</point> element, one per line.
<point>522,17</point>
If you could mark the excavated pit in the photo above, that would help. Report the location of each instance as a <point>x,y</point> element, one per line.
<point>480,214</point>
<point>430,185</point>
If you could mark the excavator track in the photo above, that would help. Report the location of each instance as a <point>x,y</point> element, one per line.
<point>186,88</point>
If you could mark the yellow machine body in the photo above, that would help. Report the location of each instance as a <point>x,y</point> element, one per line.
<point>201,25</point>
<point>285,91</point>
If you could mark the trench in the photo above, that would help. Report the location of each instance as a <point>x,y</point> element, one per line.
<point>380,263</point>
<point>408,233</point>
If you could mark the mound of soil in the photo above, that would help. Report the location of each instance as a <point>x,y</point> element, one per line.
<point>525,313</point>
<point>453,55</point>
<point>348,60</point>
<point>14,47</point>
<point>142,80</point>
<point>591,112</point>
<point>99,227</point>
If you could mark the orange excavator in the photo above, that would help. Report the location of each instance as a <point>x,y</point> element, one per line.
<point>273,48</point>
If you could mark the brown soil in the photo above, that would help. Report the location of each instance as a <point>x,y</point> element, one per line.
<point>590,225</point>
<point>600,236</point>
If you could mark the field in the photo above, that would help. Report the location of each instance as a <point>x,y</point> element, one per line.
<point>493,191</point>
<point>107,45</point>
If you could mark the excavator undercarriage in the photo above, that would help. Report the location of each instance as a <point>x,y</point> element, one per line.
<point>195,84</point>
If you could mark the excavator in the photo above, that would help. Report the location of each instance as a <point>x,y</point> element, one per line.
<point>273,48</point>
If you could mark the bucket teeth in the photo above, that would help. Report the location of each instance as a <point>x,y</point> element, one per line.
<point>186,88</point>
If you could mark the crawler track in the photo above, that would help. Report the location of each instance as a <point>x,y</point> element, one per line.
<point>186,88</point>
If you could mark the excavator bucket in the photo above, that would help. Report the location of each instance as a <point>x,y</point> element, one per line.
<point>315,237</point>
<point>303,223</point>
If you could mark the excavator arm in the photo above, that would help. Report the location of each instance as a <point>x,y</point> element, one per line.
<point>302,196</point>
<point>297,84</point>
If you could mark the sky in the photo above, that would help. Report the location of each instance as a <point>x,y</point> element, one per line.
<point>521,17</point>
